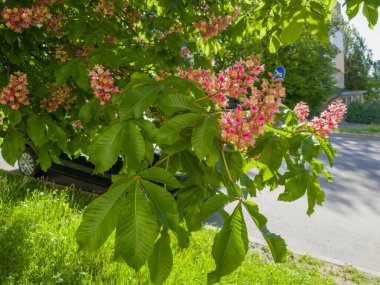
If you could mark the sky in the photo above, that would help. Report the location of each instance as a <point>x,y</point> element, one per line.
<point>372,37</point>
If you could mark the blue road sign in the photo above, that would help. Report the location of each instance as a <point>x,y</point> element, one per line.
<point>279,73</point>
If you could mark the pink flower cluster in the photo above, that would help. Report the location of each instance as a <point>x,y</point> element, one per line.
<point>302,111</point>
<point>15,93</point>
<point>327,121</point>
<point>105,7</point>
<point>103,84</point>
<point>176,28</point>
<point>256,107</point>
<point>184,52</point>
<point>109,39</point>
<point>77,124</point>
<point>60,96</point>
<point>212,27</point>
<point>22,18</point>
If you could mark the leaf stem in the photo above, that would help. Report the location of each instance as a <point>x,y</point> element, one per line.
<point>226,165</point>
<point>200,99</point>
<point>162,160</point>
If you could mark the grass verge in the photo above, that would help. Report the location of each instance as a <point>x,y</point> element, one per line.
<point>368,130</point>
<point>37,246</point>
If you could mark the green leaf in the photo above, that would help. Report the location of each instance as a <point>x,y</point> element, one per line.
<point>100,217</point>
<point>314,195</point>
<point>234,162</point>
<point>160,175</point>
<point>80,74</point>
<point>44,159</point>
<point>76,29</point>
<point>327,148</point>
<point>230,246</point>
<point>105,149</point>
<point>272,154</point>
<point>211,207</point>
<point>275,242</point>
<point>295,188</point>
<point>137,100</point>
<point>13,146</point>
<point>136,229</point>
<point>293,29</point>
<point>371,13</point>
<point>169,132</point>
<point>161,261</point>
<point>274,43</point>
<point>190,201</point>
<point>14,117</point>
<point>353,7</point>
<point>164,205</point>
<point>238,31</point>
<point>182,237</point>
<point>63,72</point>
<point>133,146</point>
<point>57,134</point>
<point>203,136</point>
<point>86,113</point>
<point>173,103</point>
<point>36,129</point>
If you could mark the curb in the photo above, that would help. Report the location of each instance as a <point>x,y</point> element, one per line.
<point>330,260</point>
<point>371,137</point>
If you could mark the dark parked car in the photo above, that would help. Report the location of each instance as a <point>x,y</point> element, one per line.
<point>80,168</point>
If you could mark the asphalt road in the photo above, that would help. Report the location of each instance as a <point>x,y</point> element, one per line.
<point>345,229</point>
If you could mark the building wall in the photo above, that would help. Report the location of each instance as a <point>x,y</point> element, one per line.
<point>337,40</point>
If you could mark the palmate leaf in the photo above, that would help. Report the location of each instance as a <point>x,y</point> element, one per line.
<point>136,229</point>
<point>169,132</point>
<point>137,100</point>
<point>105,149</point>
<point>164,204</point>
<point>161,261</point>
<point>133,146</point>
<point>100,217</point>
<point>230,246</point>
<point>275,242</point>
<point>160,175</point>
<point>203,136</point>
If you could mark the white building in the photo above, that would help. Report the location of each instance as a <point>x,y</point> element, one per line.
<point>337,39</point>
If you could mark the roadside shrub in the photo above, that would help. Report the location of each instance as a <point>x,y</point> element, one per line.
<point>364,113</point>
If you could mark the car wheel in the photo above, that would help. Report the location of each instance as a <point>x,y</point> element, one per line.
<point>28,163</point>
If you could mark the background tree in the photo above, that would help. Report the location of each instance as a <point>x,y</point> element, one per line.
<point>360,67</point>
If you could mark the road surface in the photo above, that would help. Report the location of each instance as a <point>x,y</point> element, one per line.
<point>346,228</point>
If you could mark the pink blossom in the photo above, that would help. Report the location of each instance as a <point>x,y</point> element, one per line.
<point>302,111</point>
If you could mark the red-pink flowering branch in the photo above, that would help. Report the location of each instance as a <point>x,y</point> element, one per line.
<point>18,19</point>
<point>60,96</point>
<point>302,111</point>
<point>212,27</point>
<point>16,91</point>
<point>327,121</point>
<point>102,84</point>
<point>257,106</point>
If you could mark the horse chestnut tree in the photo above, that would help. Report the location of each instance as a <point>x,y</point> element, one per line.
<point>115,79</point>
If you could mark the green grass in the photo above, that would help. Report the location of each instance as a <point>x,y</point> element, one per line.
<point>37,246</point>
<point>368,130</point>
